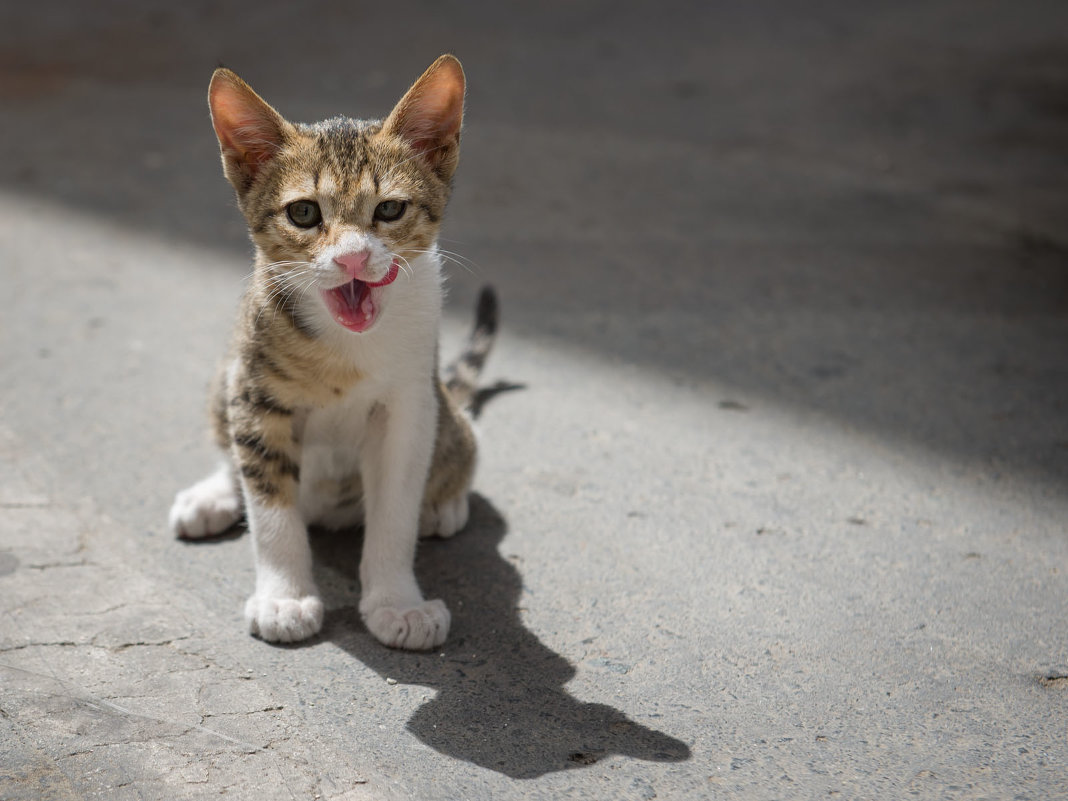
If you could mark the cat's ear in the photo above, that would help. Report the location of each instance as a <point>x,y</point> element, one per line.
<point>430,115</point>
<point>250,132</point>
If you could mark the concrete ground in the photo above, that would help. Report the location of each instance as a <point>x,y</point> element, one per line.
<point>780,512</point>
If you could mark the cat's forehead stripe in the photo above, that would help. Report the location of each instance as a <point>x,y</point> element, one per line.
<point>326,185</point>
<point>343,143</point>
<point>348,165</point>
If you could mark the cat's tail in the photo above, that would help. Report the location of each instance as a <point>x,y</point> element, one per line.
<point>461,376</point>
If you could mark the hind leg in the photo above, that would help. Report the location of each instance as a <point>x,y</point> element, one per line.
<point>445,506</point>
<point>208,507</point>
<point>445,518</point>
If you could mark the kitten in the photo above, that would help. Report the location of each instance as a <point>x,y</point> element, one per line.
<point>330,409</point>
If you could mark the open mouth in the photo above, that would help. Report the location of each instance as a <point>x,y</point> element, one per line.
<point>353,306</point>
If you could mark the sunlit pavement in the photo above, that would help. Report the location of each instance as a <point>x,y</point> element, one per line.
<point>779,512</point>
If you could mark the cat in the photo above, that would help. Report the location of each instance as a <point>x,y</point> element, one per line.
<point>330,409</point>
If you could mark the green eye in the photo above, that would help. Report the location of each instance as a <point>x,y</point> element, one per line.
<point>390,210</point>
<point>304,213</point>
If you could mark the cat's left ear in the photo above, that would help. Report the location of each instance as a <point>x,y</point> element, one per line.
<point>250,132</point>
<point>430,115</point>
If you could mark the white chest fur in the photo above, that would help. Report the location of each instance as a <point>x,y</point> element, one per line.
<point>331,446</point>
<point>396,359</point>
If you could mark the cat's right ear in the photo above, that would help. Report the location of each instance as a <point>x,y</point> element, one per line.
<point>250,132</point>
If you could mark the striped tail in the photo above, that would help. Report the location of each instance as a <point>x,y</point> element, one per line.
<point>461,376</point>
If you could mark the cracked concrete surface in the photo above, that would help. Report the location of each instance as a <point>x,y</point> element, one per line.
<point>779,513</point>
<point>128,701</point>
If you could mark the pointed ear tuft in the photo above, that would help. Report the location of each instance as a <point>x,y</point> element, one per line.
<point>430,115</point>
<point>250,132</point>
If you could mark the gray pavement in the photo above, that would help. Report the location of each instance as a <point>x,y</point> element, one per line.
<point>780,513</point>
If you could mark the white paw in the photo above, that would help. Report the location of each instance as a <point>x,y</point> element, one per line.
<point>284,619</point>
<point>416,629</point>
<point>207,508</point>
<point>446,518</point>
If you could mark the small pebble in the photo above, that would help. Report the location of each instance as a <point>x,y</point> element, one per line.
<point>391,681</point>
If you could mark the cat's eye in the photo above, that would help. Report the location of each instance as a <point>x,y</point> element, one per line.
<point>390,210</point>
<point>304,213</point>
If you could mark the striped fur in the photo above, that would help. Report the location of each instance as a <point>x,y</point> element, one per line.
<point>461,376</point>
<point>334,414</point>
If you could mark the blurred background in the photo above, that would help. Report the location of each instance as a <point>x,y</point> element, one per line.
<point>855,208</point>
<point>780,511</point>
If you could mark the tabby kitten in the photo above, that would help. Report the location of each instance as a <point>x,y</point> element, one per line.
<point>330,409</point>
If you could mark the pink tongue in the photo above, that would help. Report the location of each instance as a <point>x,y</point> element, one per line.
<point>351,305</point>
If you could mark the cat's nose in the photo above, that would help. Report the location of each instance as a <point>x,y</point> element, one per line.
<point>353,263</point>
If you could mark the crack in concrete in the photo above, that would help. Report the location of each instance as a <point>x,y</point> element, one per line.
<point>52,565</point>
<point>210,715</point>
<point>144,644</point>
<point>105,611</point>
<point>188,728</point>
<point>1054,679</point>
<point>92,644</point>
<point>57,644</point>
<point>104,705</point>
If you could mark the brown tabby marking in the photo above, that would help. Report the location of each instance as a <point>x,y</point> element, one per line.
<point>282,368</point>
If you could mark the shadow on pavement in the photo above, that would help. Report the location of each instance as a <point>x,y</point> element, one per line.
<point>500,701</point>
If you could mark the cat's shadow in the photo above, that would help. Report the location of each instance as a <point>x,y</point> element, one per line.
<point>500,702</point>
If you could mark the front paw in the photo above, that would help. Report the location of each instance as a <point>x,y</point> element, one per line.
<point>284,619</point>
<point>423,626</point>
<point>207,508</point>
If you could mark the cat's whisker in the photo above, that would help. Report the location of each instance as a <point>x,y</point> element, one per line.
<point>250,275</point>
<point>270,269</point>
<point>284,285</point>
<point>299,277</point>
<point>287,266</point>
<point>445,252</point>
<point>462,264</point>
<point>301,284</point>
<point>405,265</point>
<point>304,290</point>
<point>458,259</point>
